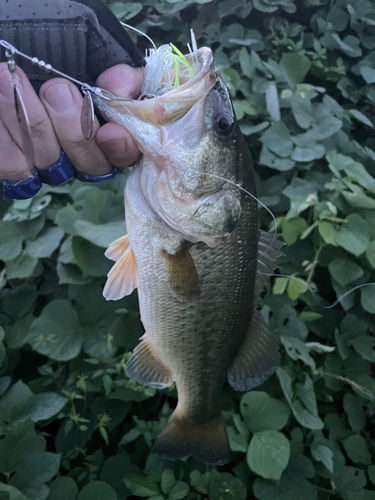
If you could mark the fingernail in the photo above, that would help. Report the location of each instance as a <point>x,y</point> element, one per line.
<point>59,97</point>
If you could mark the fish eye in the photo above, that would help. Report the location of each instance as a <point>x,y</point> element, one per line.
<point>223,125</point>
<point>147,96</point>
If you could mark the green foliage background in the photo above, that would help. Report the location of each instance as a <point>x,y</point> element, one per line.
<point>72,426</point>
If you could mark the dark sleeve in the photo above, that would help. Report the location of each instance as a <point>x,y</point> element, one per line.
<point>81,38</point>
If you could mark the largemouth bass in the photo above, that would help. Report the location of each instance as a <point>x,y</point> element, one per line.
<point>193,249</point>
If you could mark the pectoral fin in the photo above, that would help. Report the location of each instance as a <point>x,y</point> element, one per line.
<point>182,273</point>
<point>122,278</point>
<point>257,358</point>
<point>146,368</point>
<point>117,248</point>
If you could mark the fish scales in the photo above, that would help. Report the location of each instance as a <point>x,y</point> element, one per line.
<point>199,337</point>
<point>192,252</point>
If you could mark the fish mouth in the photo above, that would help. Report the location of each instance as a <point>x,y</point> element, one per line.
<point>162,109</point>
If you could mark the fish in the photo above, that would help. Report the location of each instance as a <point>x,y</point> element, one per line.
<point>193,250</point>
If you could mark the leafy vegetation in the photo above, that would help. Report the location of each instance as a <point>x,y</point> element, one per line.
<point>72,426</point>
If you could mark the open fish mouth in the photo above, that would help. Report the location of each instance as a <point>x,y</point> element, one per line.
<point>171,87</point>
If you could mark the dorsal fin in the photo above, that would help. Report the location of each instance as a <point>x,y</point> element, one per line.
<point>257,358</point>
<point>117,248</point>
<point>122,278</point>
<point>268,252</point>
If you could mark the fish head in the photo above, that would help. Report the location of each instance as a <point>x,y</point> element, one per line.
<point>206,157</point>
<point>193,150</point>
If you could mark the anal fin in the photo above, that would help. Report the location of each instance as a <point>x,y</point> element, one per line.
<point>146,368</point>
<point>122,278</point>
<point>257,358</point>
<point>182,273</point>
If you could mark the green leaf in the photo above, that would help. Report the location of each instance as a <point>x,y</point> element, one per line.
<point>97,490</point>
<point>280,285</point>
<point>238,441</point>
<point>310,153</point>
<point>20,442</point>
<point>370,253</point>
<point>34,471</point>
<point>291,486</point>
<point>301,109</point>
<point>90,258</point>
<point>345,271</point>
<point>355,113</point>
<point>323,454</point>
<point>63,488</point>
<point>304,415</point>
<point>261,412</point>
<point>359,200</point>
<point>46,243</point>
<point>268,454</point>
<point>297,349</point>
<point>101,235</point>
<point>18,392</point>
<point>278,140</point>
<point>126,11</point>
<point>368,298</point>
<point>199,481</point>
<point>365,346</point>
<point>292,228</point>
<point>309,316</point>
<point>327,232</point>
<point>167,481</point>
<point>296,287</point>
<point>353,169</point>
<point>10,241</point>
<point>179,490</point>
<point>2,353</point>
<point>272,102</point>
<point>18,302</point>
<point>39,407</point>
<point>21,267</point>
<point>352,241</point>
<point>368,74</point>
<point>295,67</point>
<point>356,449</point>
<point>354,412</point>
<point>224,486</point>
<point>371,473</point>
<point>14,493</point>
<point>141,486</point>
<point>57,332</point>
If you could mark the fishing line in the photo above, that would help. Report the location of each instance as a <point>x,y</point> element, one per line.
<point>256,199</point>
<point>347,293</point>
<point>140,33</point>
<point>312,291</point>
<point>309,288</point>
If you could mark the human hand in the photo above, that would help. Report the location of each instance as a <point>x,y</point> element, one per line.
<point>55,121</point>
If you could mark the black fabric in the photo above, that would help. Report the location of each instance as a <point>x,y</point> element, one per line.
<point>81,38</point>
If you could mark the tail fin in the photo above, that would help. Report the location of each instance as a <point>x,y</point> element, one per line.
<point>183,437</point>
